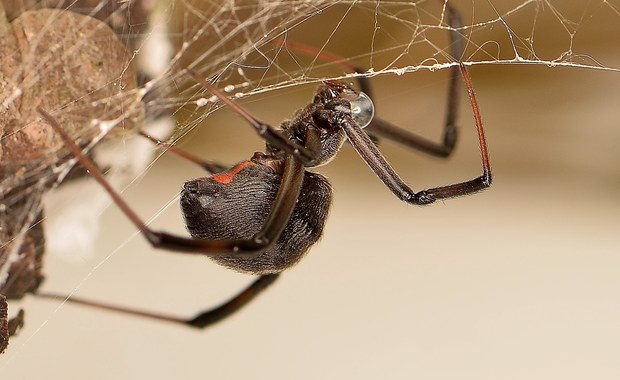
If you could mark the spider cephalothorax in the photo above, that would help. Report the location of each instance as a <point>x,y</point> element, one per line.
<point>333,102</point>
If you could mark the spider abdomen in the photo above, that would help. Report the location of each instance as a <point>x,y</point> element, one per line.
<point>235,204</point>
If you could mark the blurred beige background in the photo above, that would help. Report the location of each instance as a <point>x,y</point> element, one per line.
<point>518,282</point>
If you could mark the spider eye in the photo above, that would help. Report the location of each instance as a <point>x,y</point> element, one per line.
<point>362,110</point>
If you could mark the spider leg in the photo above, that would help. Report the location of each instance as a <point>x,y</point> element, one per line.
<point>373,157</point>
<point>384,129</point>
<point>265,131</point>
<point>211,316</point>
<point>281,210</point>
<point>201,320</point>
<point>210,166</point>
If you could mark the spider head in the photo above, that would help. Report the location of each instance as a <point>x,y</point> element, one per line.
<point>334,103</point>
<point>341,97</point>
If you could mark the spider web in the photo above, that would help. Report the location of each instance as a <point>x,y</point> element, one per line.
<point>245,47</point>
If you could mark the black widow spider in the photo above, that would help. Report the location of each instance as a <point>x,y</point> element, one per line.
<point>262,215</point>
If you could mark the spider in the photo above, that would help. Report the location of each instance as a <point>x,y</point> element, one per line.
<point>262,215</point>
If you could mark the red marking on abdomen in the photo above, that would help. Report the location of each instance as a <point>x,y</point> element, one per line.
<point>228,176</point>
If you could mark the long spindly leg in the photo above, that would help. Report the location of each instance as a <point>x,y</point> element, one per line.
<point>282,207</point>
<point>384,129</point>
<point>200,320</point>
<point>305,154</point>
<point>380,128</point>
<point>373,157</point>
<point>279,214</point>
<point>210,166</point>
